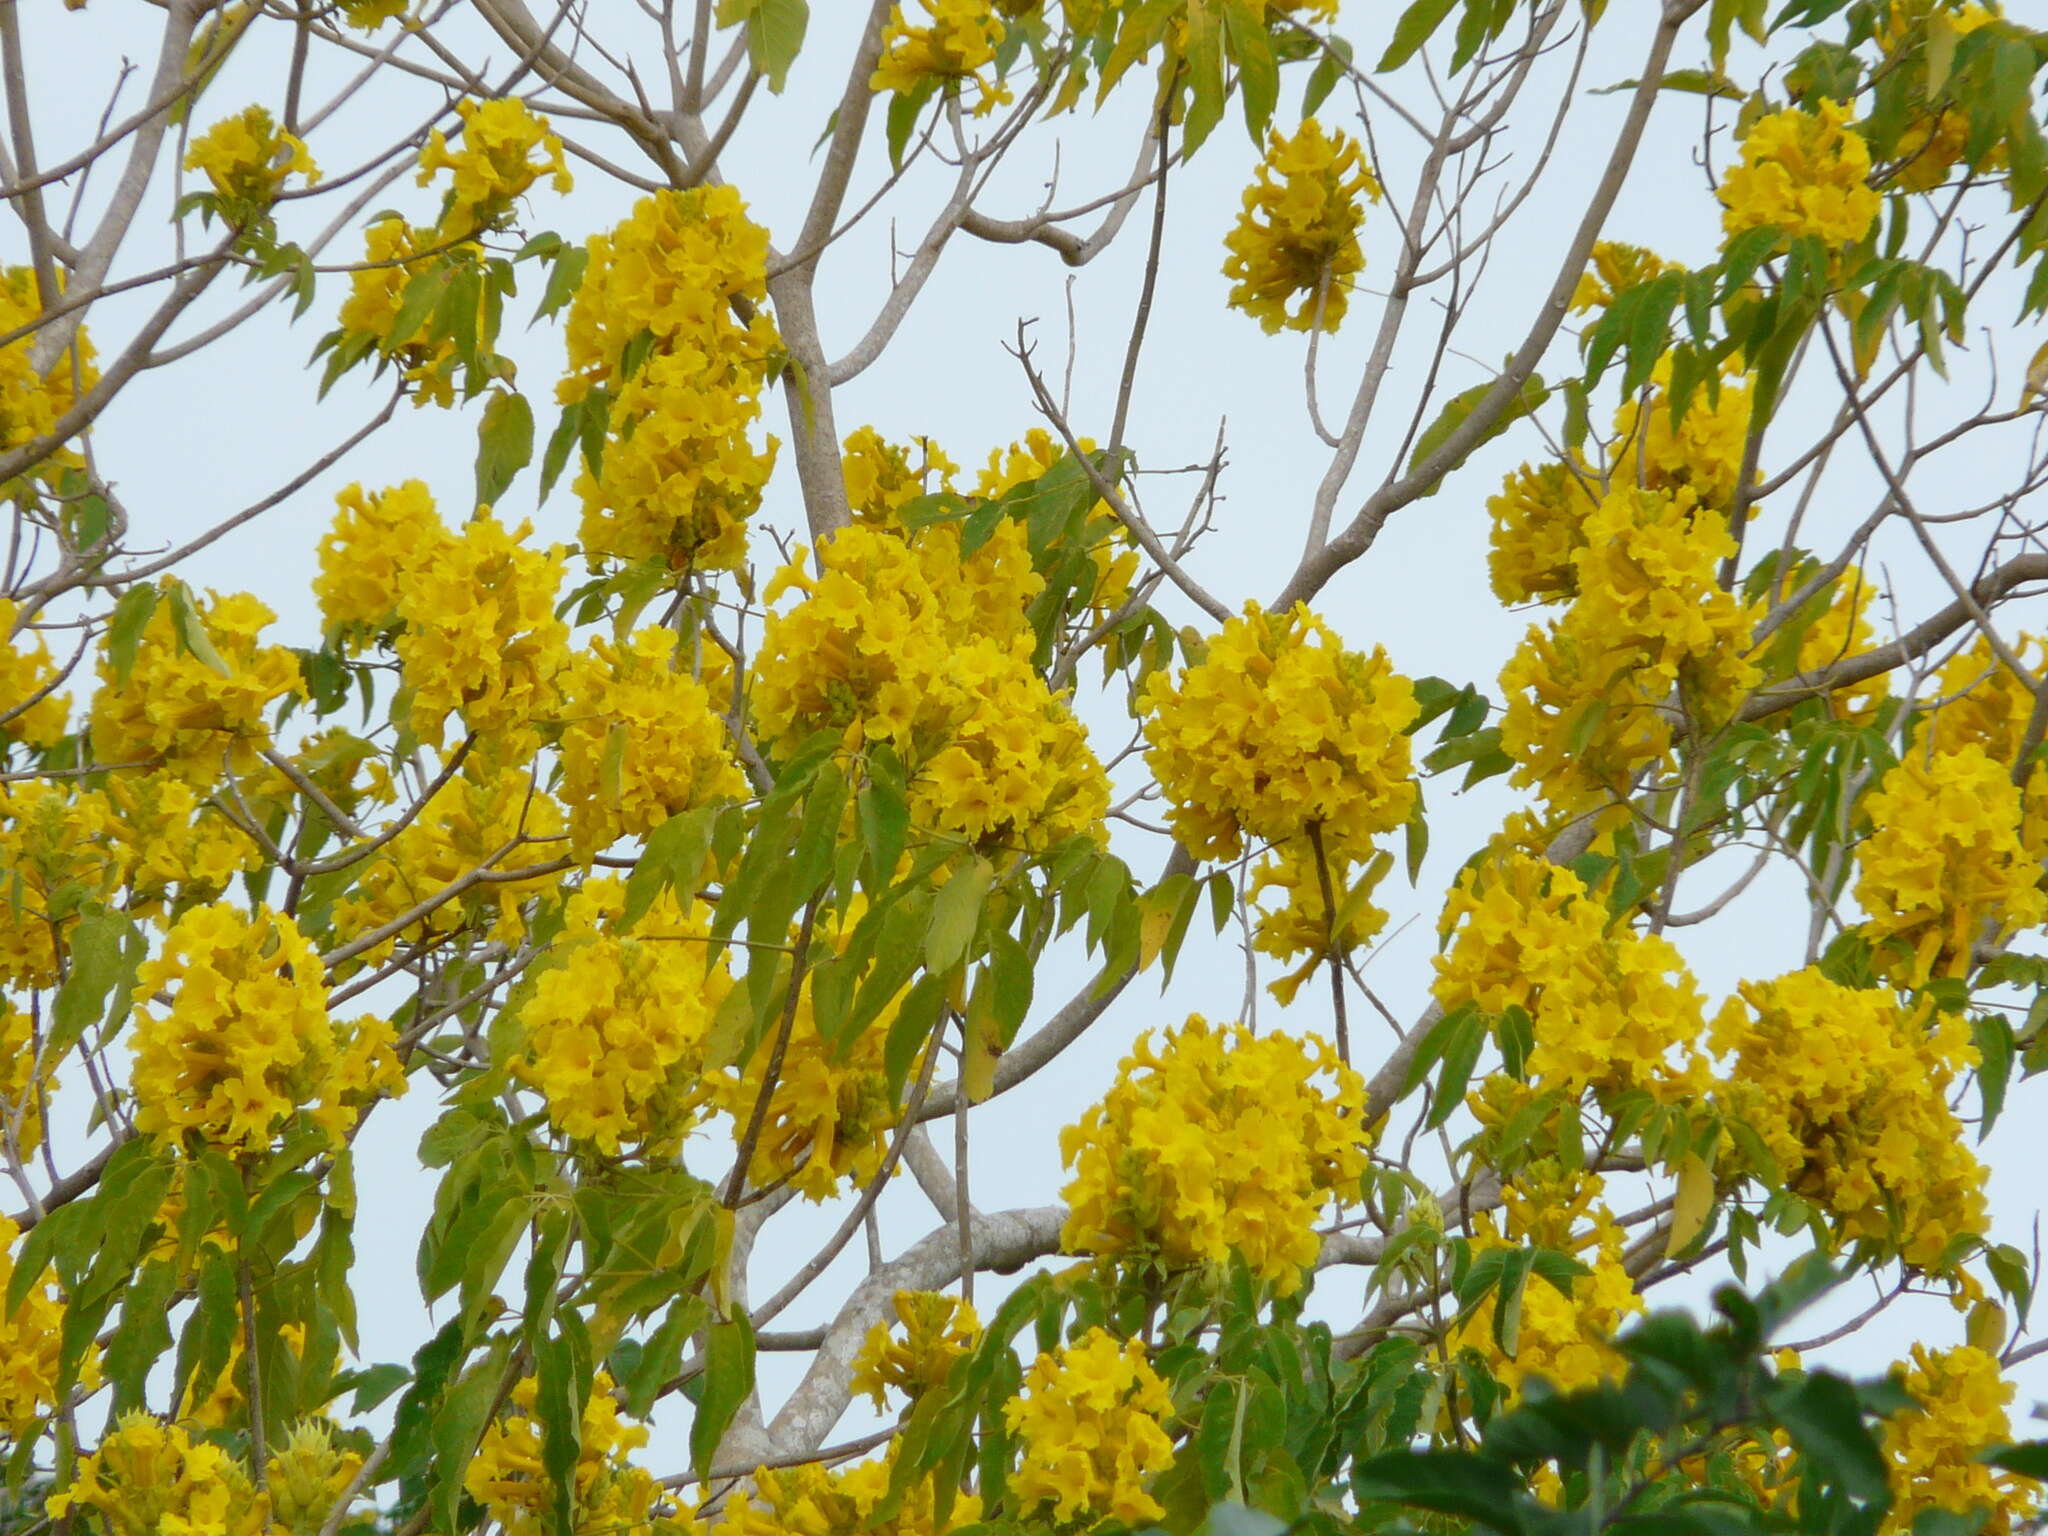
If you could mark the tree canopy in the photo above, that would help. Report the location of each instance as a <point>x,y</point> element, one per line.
<point>690,810</point>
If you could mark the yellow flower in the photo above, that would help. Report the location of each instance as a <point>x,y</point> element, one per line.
<point>1538,526</point>
<point>1702,454</point>
<point>247,159</point>
<point>1614,269</point>
<point>494,166</point>
<point>245,1041</point>
<point>148,1477</point>
<point>1933,1449</point>
<point>1216,1142</point>
<point>190,711</point>
<point>30,1338</point>
<point>394,253</point>
<point>508,1478</point>
<point>31,403</point>
<point>642,740</point>
<point>306,1475</point>
<point>960,40</point>
<point>881,478</point>
<point>1805,173</point>
<point>938,1331</point>
<point>33,709</point>
<point>652,327</point>
<point>1947,862</point>
<point>1610,1009</point>
<point>1297,236</point>
<point>1090,1419</point>
<point>819,1500</point>
<point>1850,1095</point>
<point>481,639</point>
<point>374,538</point>
<point>613,1030</point>
<point>1979,700</point>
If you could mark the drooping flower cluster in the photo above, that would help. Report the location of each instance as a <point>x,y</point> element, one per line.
<point>1214,1142</point>
<point>1610,1009</point>
<point>1949,861</point>
<point>1296,240</point>
<point>1564,1335</point>
<point>953,46</point>
<point>30,1337</point>
<point>938,1332</point>
<point>1934,1450</point>
<point>1849,1092</point>
<point>1650,644</point>
<point>1538,526</point>
<point>509,1479</point>
<point>480,638</point>
<point>1090,1418</point>
<point>33,709</point>
<point>1804,173</point>
<point>1702,453</point>
<point>494,166</point>
<point>483,818</point>
<point>375,537</point>
<point>245,1042</point>
<point>614,1028</point>
<point>901,641</point>
<point>148,1476</point>
<point>642,739</point>
<point>247,159</point>
<point>199,691</point>
<point>1279,727</point>
<point>653,334</point>
<point>815,1498</point>
<point>32,403</point>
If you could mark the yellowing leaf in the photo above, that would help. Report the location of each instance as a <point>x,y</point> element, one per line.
<point>1695,1200</point>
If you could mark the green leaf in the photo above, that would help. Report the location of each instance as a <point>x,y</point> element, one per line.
<point>1453,416</point>
<point>1821,1413</point>
<point>1994,1065</point>
<point>504,444</point>
<point>775,35</point>
<point>1203,51</point>
<point>458,1425</point>
<point>1460,1056</point>
<point>1330,69</point>
<point>728,1379</point>
<point>910,1029</point>
<point>955,914</point>
<point>106,950</point>
<point>2029,1458</point>
<point>190,629</point>
<point>1412,31</point>
<point>125,626</point>
<point>1444,1482</point>
<point>1258,72</point>
<point>673,859</point>
<point>1507,1301</point>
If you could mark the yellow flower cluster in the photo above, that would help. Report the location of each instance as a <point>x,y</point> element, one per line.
<point>822,1501</point>
<point>881,478</point>
<point>1981,701</point>
<point>1949,861</point>
<point>245,1041</point>
<point>494,166</point>
<point>508,1478</point>
<point>1613,269</point>
<point>904,642</point>
<point>189,711</point>
<point>938,1331</point>
<point>494,819</point>
<point>1850,1096</point>
<point>1278,728</point>
<point>31,403</point>
<point>1702,454</point>
<point>29,1342</point>
<point>1538,526</point>
<point>369,15</point>
<point>1804,173</point>
<point>1217,1141</point>
<point>614,1027</point>
<point>1564,1340</point>
<point>481,639</point>
<point>148,1477</point>
<point>162,837</point>
<point>1933,1449</point>
<point>1090,1419</point>
<point>1839,631</point>
<point>1610,1009</point>
<point>958,41</point>
<point>1109,544</point>
<point>680,473</point>
<point>830,1114</point>
<point>395,252</point>
<point>53,843</point>
<point>307,1476</point>
<point>375,537</point>
<point>1937,138</point>
<point>642,739</point>
<point>1590,697</point>
<point>1301,925</point>
<point>24,1082</point>
<point>1297,236</point>
<point>27,670</point>
<point>247,159</point>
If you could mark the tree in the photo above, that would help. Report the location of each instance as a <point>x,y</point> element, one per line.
<point>695,873</point>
